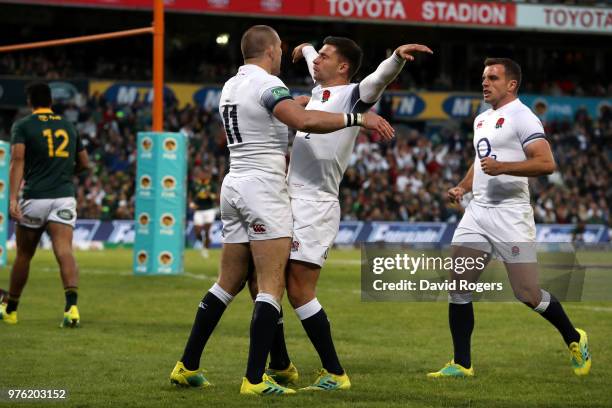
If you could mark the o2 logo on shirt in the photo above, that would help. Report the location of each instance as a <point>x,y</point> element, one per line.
<point>483,149</point>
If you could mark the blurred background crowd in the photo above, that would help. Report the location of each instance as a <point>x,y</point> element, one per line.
<point>403,180</point>
<point>406,179</point>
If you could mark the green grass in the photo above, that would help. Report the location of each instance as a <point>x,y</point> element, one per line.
<point>134,329</point>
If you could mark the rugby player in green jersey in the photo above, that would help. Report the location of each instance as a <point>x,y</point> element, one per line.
<point>46,152</point>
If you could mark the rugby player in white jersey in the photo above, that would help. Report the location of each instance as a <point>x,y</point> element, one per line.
<point>316,167</point>
<point>510,146</point>
<point>256,108</point>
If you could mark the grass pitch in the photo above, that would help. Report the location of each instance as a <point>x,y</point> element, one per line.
<point>134,329</point>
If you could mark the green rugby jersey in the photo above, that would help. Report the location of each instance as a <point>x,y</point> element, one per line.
<point>204,193</point>
<point>51,145</point>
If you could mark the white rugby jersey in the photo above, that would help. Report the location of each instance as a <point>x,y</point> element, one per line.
<point>503,134</point>
<point>318,161</point>
<point>257,141</point>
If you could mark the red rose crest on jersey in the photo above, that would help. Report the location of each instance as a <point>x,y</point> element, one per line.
<point>295,246</point>
<point>258,228</point>
<point>515,251</point>
<point>479,124</point>
<point>500,123</point>
<point>326,95</point>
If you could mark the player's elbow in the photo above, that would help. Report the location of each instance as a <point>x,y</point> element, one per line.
<point>549,167</point>
<point>306,123</point>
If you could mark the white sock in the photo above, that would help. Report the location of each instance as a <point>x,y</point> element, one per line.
<point>268,298</point>
<point>541,308</point>
<point>219,292</point>
<point>309,309</point>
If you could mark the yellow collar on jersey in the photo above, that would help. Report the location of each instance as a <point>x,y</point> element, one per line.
<point>41,111</point>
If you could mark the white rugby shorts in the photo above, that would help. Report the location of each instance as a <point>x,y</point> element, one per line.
<point>315,226</point>
<point>201,217</point>
<point>37,212</point>
<point>508,233</point>
<point>255,208</point>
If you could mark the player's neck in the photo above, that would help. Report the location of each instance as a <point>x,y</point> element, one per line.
<point>334,82</point>
<point>265,65</point>
<point>504,102</point>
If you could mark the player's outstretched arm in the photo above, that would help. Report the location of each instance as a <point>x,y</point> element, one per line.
<point>456,193</point>
<point>15,177</point>
<point>295,116</point>
<point>306,51</point>
<point>540,162</point>
<point>372,86</point>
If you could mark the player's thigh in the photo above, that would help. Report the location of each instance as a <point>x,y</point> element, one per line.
<point>198,218</point>
<point>315,226</point>
<point>60,224</point>
<point>27,240</point>
<point>63,211</point>
<point>264,205</point>
<point>524,279</point>
<point>468,263</point>
<point>234,267</point>
<point>208,216</point>
<point>270,257</point>
<point>235,227</point>
<point>35,212</point>
<point>302,278</point>
<point>469,241</point>
<point>513,233</point>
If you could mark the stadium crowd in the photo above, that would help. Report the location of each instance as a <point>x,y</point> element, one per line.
<point>55,65</point>
<point>404,180</point>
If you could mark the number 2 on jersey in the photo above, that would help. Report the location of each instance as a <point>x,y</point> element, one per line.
<point>231,131</point>
<point>61,150</point>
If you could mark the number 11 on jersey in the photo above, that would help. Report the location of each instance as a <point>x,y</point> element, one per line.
<point>231,112</point>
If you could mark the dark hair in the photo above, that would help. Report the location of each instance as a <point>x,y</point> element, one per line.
<point>256,39</point>
<point>39,94</point>
<point>349,50</point>
<point>511,68</point>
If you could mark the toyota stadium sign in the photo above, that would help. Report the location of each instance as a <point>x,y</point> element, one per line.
<point>476,14</point>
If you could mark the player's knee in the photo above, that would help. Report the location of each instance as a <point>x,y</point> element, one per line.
<point>24,255</point>
<point>231,286</point>
<point>64,254</point>
<point>299,293</point>
<point>529,296</point>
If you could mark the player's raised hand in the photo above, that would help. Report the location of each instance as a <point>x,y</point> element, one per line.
<point>405,51</point>
<point>373,121</point>
<point>297,52</point>
<point>14,210</point>
<point>491,166</point>
<point>455,194</point>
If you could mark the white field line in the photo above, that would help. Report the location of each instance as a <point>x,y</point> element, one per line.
<point>593,308</point>
<point>99,271</point>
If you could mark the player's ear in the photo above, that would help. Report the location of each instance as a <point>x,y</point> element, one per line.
<point>512,85</point>
<point>270,51</point>
<point>343,68</point>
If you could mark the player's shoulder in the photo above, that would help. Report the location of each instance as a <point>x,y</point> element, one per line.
<point>270,81</point>
<point>520,110</point>
<point>260,77</point>
<point>483,115</point>
<point>24,121</point>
